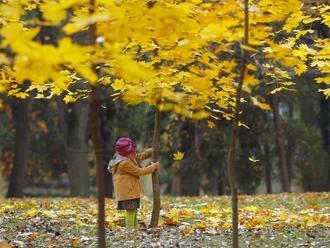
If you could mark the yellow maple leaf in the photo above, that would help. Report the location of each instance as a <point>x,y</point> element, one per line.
<point>172,217</point>
<point>32,213</point>
<point>69,99</point>
<point>81,23</point>
<point>53,12</point>
<point>326,92</point>
<point>178,155</point>
<point>311,19</point>
<point>104,80</point>
<point>325,80</point>
<point>257,221</point>
<point>293,21</point>
<point>261,105</point>
<point>210,124</point>
<point>253,160</point>
<point>243,125</point>
<point>22,95</point>
<point>300,68</point>
<point>118,84</point>
<point>277,90</point>
<point>4,60</point>
<point>201,225</point>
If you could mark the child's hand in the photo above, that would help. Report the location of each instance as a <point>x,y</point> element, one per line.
<point>149,150</point>
<point>155,165</point>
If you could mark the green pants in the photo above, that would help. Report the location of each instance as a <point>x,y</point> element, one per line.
<point>131,219</point>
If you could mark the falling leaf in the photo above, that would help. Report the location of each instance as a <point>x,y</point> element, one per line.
<point>243,125</point>
<point>253,160</point>
<point>261,105</point>
<point>178,155</point>
<point>210,124</point>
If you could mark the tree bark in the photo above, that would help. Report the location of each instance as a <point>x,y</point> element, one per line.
<point>234,134</point>
<point>95,106</point>
<point>73,128</point>
<point>324,33</point>
<point>106,138</point>
<point>155,180</point>
<point>62,110</point>
<point>78,167</point>
<point>325,122</point>
<point>20,110</point>
<point>197,142</point>
<point>268,169</point>
<point>176,189</point>
<point>281,147</point>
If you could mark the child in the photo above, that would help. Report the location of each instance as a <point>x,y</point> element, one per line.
<point>126,178</point>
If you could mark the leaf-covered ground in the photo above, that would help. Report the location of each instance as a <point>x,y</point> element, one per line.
<point>280,220</point>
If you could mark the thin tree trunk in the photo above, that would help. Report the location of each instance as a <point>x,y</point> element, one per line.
<point>324,32</point>
<point>95,105</point>
<point>62,110</point>
<point>234,135</point>
<point>267,157</point>
<point>281,147</point>
<point>95,108</point>
<point>197,142</point>
<point>106,138</point>
<point>20,110</point>
<point>325,127</point>
<point>268,169</point>
<point>325,122</point>
<point>155,180</point>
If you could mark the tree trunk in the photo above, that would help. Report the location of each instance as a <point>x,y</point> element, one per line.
<point>280,146</point>
<point>325,127</point>
<point>197,142</point>
<point>20,110</point>
<point>95,106</point>
<point>268,169</point>
<point>324,32</point>
<point>176,189</point>
<point>95,111</point>
<point>73,128</point>
<point>78,167</point>
<point>62,110</point>
<point>155,180</point>
<point>106,138</point>
<point>325,122</point>
<point>234,135</point>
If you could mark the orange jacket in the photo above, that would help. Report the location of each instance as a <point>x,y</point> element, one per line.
<point>126,177</point>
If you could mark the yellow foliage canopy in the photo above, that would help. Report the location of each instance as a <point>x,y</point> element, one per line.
<point>180,56</point>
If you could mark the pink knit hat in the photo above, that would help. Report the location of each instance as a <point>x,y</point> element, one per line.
<point>125,146</point>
